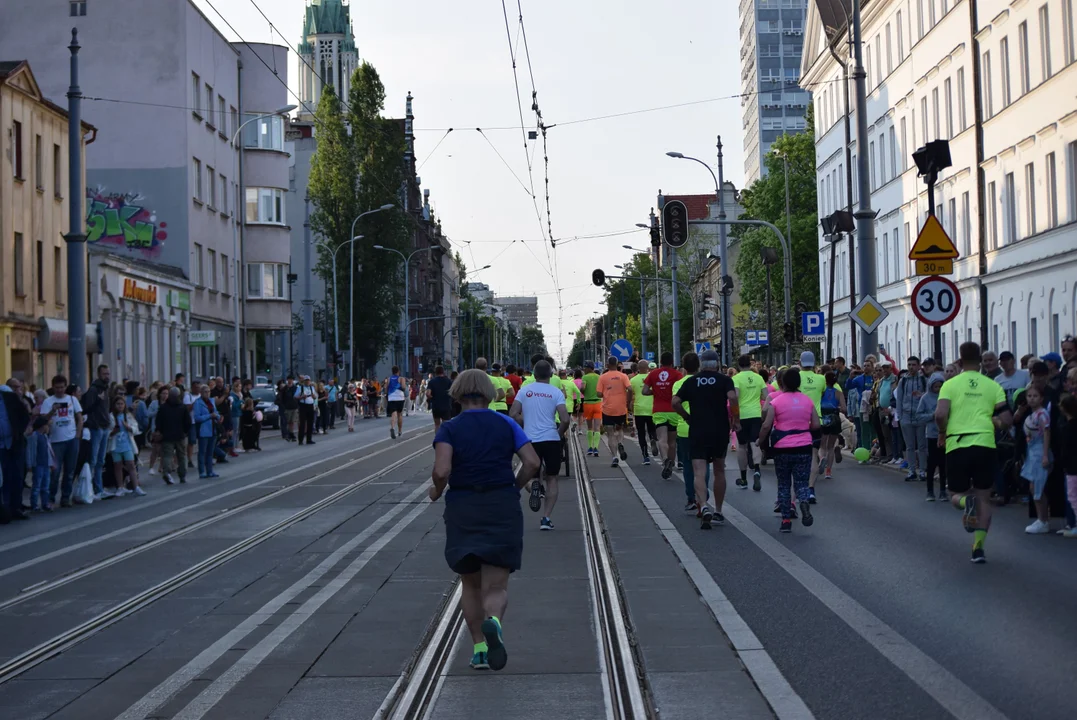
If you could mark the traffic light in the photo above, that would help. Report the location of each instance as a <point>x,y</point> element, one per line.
<point>789,332</point>
<point>675,223</point>
<point>598,278</point>
<point>338,358</point>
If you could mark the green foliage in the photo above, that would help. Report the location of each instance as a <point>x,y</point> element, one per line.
<point>532,341</point>
<point>658,324</point>
<point>352,172</point>
<point>765,200</point>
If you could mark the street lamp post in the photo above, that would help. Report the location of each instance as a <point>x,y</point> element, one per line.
<point>236,287</point>
<point>336,286</point>
<point>351,290</point>
<point>407,313</point>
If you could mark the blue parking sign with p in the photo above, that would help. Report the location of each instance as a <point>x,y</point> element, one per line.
<point>812,325</point>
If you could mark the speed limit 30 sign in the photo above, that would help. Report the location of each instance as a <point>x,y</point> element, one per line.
<point>936,301</point>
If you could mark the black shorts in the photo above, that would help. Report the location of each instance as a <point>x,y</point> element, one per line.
<point>709,446</point>
<point>394,406</point>
<point>971,467</point>
<point>834,427</point>
<point>550,453</point>
<point>442,413</point>
<point>749,430</point>
<point>614,420</point>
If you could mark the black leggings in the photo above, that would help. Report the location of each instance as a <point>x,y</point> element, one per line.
<point>645,427</point>
<point>936,458</point>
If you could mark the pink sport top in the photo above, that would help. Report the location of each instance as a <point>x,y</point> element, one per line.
<point>792,419</point>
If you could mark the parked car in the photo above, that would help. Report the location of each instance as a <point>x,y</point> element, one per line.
<point>265,399</point>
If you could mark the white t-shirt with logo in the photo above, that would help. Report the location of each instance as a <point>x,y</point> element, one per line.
<point>539,402</point>
<point>63,422</point>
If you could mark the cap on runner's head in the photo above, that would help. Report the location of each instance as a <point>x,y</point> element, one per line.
<point>708,356</point>
<point>496,367</point>
<point>807,359</point>
<point>589,365</point>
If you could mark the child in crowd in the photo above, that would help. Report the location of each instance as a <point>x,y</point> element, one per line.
<point>1037,464</point>
<point>42,461</point>
<point>121,445</point>
<point>936,455</point>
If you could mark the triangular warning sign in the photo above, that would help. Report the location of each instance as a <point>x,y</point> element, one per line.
<point>933,243</point>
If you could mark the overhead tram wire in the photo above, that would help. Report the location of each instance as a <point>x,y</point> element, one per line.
<point>434,150</point>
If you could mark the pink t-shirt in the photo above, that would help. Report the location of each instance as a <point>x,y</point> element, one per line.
<point>792,419</point>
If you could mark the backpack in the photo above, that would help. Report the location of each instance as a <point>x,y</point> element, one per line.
<point>829,402</point>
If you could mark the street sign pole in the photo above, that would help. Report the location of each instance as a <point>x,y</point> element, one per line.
<point>937,332</point>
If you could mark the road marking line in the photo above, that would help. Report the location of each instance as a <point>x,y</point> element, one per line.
<point>167,689</point>
<point>67,549</point>
<point>956,697</point>
<point>777,691</point>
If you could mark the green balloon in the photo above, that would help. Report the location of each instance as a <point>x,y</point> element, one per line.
<point>862,454</point>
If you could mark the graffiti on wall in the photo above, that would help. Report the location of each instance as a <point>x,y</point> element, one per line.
<point>122,220</point>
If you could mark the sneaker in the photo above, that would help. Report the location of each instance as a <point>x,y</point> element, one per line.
<point>621,451</point>
<point>943,496</point>
<point>168,479</point>
<point>718,518</point>
<point>98,497</point>
<point>545,524</point>
<point>1071,533</point>
<point>786,526</point>
<point>139,491</point>
<point>978,556</point>
<point>213,475</point>
<point>680,465</point>
<point>495,653</point>
<point>911,476</point>
<point>778,508</point>
<point>667,469</point>
<point>534,501</point>
<point>65,503</point>
<point>706,515</point>
<point>542,491</point>
<point>742,483</point>
<point>107,493</point>
<point>1038,527</point>
<point>479,662</point>
<point>969,518</point>
<point>691,508</point>
<point>923,476</point>
<point>615,462</point>
<point>930,496</point>
<point>757,481</point>
<point>153,471</point>
<point>828,476</point>
<point>806,518</point>
<point>1063,531</point>
<point>392,433</point>
<point>811,495</point>
<point>646,459</point>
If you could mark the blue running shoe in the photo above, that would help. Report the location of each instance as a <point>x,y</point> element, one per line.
<point>545,524</point>
<point>479,661</point>
<point>496,655</point>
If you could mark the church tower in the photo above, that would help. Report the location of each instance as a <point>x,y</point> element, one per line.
<point>328,46</point>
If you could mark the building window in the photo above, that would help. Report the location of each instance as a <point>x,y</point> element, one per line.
<point>1030,200</point>
<point>265,205</point>
<point>889,52</point>
<point>197,180</point>
<point>209,105</point>
<point>961,123</point>
<point>882,159</point>
<point>1045,42</point>
<point>966,225</point>
<point>935,111</point>
<point>948,93</point>
<point>900,38</point>
<point>931,13</point>
<point>1071,196</point>
<point>212,284</point>
<point>1068,39</point>
<point>1009,209</point>
<point>223,207</point>
<point>57,172</point>
<point>16,139</point>
<point>1052,191</point>
<point>1033,332</point>
<point>20,270</point>
<point>1022,53</point>
<point>923,118</point>
<point>221,117</point>
<point>39,164</point>
<point>266,281</point>
<point>867,67</point>
<point>871,162</point>
<point>1013,336</point>
<point>895,248</point>
<point>879,60</point>
<point>196,95</point>
<point>266,133</point>
<point>196,269</point>
<point>78,8</point>
<point>40,258</point>
<point>226,271</point>
<point>952,206</point>
<point>235,121</point>
<point>1004,70</point>
<point>212,194</point>
<point>988,103</point>
<point>893,151</point>
<point>886,258</point>
<point>920,18</point>
<point>58,276</point>
<point>908,238</point>
<point>904,149</point>
<point>992,215</point>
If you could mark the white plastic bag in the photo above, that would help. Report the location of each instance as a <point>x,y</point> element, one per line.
<point>83,491</point>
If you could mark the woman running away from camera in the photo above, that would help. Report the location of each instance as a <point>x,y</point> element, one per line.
<point>484,526</point>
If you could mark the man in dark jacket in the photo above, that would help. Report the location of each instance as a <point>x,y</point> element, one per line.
<point>95,408</point>
<point>14,417</point>
<point>288,406</point>
<point>174,424</point>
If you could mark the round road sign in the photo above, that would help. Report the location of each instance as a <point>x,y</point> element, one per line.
<point>936,301</point>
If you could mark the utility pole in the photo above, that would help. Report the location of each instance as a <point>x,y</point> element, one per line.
<point>642,319</point>
<point>76,238</point>
<point>723,262</point>
<point>307,338</point>
<point>676,310</point>
<point>865,216</point>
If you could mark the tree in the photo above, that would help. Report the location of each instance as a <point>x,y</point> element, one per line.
<point>358,165</point>
<point>765,200</point>
<point>532,342</point>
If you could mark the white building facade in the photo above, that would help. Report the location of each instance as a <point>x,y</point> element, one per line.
<point>995,79</point>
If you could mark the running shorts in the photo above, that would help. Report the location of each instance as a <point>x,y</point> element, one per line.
<point>708,446</point>
<point>671,419</point>
<point>614,420</point>
<point>831,427</point>
<point>442,413</point>
<point>971,468</point>
<point>592,411</point>
<point>550,453</point>
<point>394,406</point>
<point>749,430</point>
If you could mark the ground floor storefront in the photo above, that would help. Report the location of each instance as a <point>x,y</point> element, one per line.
<point>35,350</point>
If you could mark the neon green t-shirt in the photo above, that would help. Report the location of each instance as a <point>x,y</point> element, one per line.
<point>572,393</point>
<point>749,392</point>
<point>643,405</point>
<point>973,398</point>
<point>812,384</point>
<point>682,426</point>
<point>590,388</point>
<point>504,384</point>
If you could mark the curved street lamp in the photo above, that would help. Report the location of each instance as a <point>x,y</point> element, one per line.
<point>351,289</point>
<point>407,313</point>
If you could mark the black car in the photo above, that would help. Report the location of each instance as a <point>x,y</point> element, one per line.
<point>265,399</point>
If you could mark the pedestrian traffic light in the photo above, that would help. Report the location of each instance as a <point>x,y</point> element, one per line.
<point>789,332</point>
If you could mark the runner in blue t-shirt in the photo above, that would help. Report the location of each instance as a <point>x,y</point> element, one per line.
<point>395,394</point>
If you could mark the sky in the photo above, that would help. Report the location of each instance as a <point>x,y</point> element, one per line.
<point>589,58</point>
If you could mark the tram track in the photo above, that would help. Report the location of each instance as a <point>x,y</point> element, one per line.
<point>625,688</point>
<point>63,641</point>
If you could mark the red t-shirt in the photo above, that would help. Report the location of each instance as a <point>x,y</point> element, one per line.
<point>661,381</point>
<point>516,380</point>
